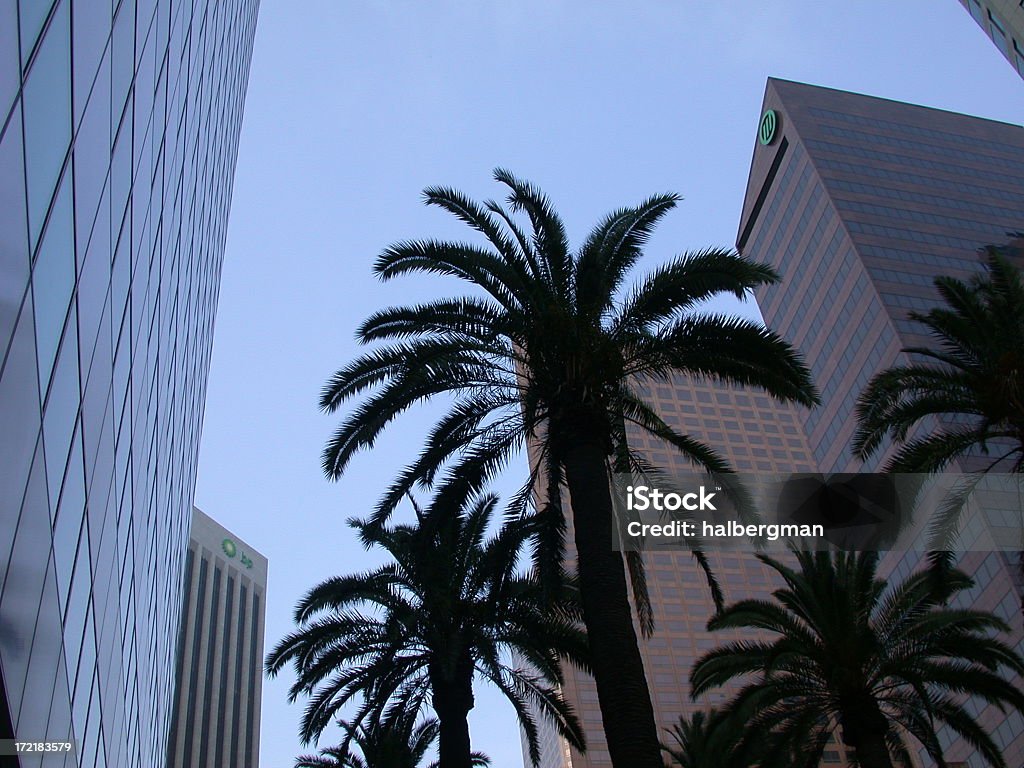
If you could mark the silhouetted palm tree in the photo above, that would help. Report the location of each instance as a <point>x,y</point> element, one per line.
<point>448,606</point>
<point>397,741</point>
<point>548,347</point>
<point>713,739</point>
<point>972,380</point>
<point>854,655</point>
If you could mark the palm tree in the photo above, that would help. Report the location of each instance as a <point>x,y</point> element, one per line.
<point>973,381</point>
<point>547,349</point>
<point>395,742</point>
<point>855,655</point>
<point>448,606</point>
<point>711,739</point>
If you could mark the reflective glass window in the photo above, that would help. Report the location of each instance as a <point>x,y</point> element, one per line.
<point>61,409</point>
<point>32,15</point>
<point>10,66</point>
<point>42,670</point>
<point>58,726</point>
<point>68,525</point>
<point>91,28</point>
<point>76,616</point>
<point>19,414</point>
<point>23,588</point>
<point>92,159</point>
<point>14,261</point>
<point>92,287</point>
<point>47,106</point>
<point>122,58</point>
<point>998,33</point>
<point>53,280</point>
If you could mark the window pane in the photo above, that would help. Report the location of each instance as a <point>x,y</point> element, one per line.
<point>19,415</point>
<point>24,585</point>
<point>53,280</point>
<point>14,262</point>
<point>61,409</point>
<point>10,67</point>
<point>33,16</point>
<point>91,24</point>
<point>47,105</point>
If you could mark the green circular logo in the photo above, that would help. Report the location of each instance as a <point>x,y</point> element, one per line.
<point>769,125</point>
<point>229,547</point>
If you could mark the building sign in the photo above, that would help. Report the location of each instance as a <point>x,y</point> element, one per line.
<point>231,550</point>
<point>768,127</point>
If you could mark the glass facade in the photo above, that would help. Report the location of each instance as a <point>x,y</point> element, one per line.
<point>119,126</point>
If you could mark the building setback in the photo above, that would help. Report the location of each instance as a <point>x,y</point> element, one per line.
<point>218,674</point>
<point>119,126</point>
<point>859,203</point>
<point>1003,22</point>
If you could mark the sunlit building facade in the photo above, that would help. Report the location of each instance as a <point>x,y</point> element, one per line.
<point>119,127</point>
<point>219,670</point>
<point>859,203</point>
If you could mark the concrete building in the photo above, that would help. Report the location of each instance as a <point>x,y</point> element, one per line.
<point>1003,22</point>
<point>859,203</point>
<point>119,126</point>
<point>219,669</point>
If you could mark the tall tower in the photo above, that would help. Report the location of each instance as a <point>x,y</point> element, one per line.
<point>219,669</point>
<point>119,127</point>
<point>859,203</point>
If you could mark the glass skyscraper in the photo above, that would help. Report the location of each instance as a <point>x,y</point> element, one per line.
<point>119,127</point>
<point>859,203</point>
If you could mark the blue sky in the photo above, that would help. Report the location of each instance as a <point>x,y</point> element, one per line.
<point>355,106</point>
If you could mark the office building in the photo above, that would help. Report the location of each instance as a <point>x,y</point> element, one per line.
<point>859,203</point>
<point>219,668</point>
<point>119,126</point>
<point>1003,22</point>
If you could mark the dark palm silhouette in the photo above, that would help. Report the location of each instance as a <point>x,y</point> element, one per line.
<point>972,380</point>
<point>852,654</point>
<point>548,347</point>
<point>397,741</point>
<point>448,606</point>
<point>712,739</point>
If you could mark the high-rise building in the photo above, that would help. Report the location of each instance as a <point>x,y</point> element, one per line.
<point>119,127</point>
<point>1003,22</point>
<point>219,669</point>
<point>859,203</point>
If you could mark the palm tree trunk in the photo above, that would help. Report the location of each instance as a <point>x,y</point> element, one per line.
<point>873,752</point>
<point>452,702</point>
<point>625,701</point>
<point>864,728</point>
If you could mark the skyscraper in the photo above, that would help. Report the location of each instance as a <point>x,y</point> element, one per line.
<point>219,669</point>
<point>859,203</point>
<point>1003,22</point>
<point>119,126</point>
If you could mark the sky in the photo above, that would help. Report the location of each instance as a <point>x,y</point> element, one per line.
<point>354,106</point>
